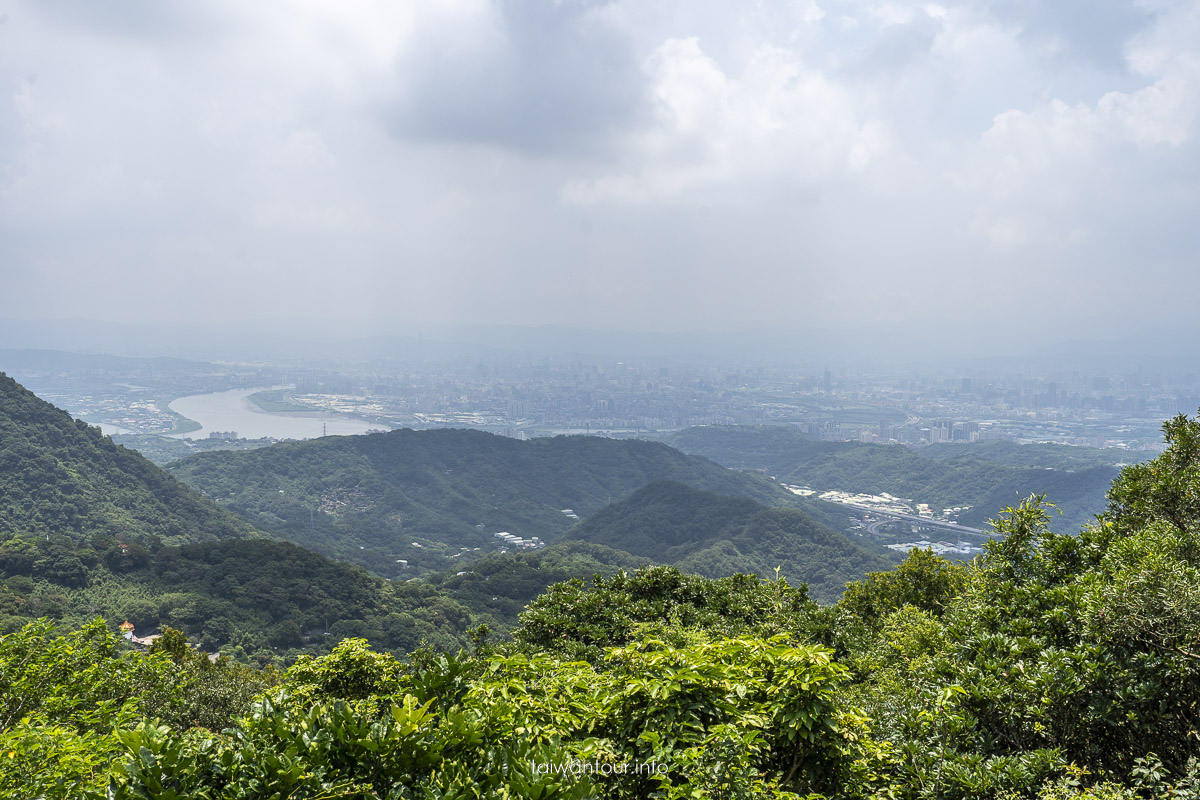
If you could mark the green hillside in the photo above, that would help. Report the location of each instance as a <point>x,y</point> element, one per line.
<point>62,476</point>
<point>1078,495</point>
<point>89,528</point>
<point>497,588</point>
<point>980,476</point>
<point>253,599</point>
<point>1039,456</point>
<point>367,499</point>
<point>715,536</point>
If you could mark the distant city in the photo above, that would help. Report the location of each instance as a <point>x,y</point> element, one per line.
<point>551,396</point>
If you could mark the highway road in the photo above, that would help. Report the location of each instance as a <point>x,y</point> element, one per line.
<point>935,523</point>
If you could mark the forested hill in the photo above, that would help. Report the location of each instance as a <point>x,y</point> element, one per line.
<point>715,536</point>
<point>252,599</point>
<point>367,499</point>
<point>89,528</point>
<point>975,477</point>
<point>62,476</point>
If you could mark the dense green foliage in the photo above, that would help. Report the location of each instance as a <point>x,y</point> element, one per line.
<point>1052,655</point>
<point>252,599</point>
<point>366,499</point>
<point>981,475</point>
<point>577,620</point>
<point>923,581</point>
<point>61,476</point>
<point>713,535</point>
<point>64,698</point>
<point>498,587</point>
<point>721,718</point>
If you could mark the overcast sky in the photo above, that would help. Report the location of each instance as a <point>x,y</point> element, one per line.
<point>636,163</point>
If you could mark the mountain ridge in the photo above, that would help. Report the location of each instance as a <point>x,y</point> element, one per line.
<point>960,480</point>
<point>366,499</point>
<point>716,536</point>
<point>62,476</point>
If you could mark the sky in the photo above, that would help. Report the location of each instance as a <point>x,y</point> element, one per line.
<point>1004,165</point>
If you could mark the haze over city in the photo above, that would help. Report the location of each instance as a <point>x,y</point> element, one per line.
<point>953,172</point>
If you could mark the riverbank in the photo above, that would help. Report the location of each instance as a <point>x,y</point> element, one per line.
<point>277,401</point>
<point>181,423</point>
<point>234,412</point>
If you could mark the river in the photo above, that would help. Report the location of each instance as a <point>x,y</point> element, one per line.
<point>232,411</point>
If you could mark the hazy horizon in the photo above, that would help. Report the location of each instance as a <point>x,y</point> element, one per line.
<point>863,347</point>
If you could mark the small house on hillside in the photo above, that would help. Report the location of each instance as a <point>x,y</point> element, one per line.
<point>126,629</point>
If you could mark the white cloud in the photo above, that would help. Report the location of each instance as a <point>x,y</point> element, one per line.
<point>716,135</point>
<point>1046,174</point>
<point>809,11</point>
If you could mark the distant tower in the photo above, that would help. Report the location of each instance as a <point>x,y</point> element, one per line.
<point>324,432</point>
<point>828,382</point>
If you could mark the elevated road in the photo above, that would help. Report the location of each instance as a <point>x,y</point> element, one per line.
<point>933,523</point>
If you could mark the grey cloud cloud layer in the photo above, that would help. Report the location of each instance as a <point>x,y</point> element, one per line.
<point>533,77</point>
<point>648,164</point>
